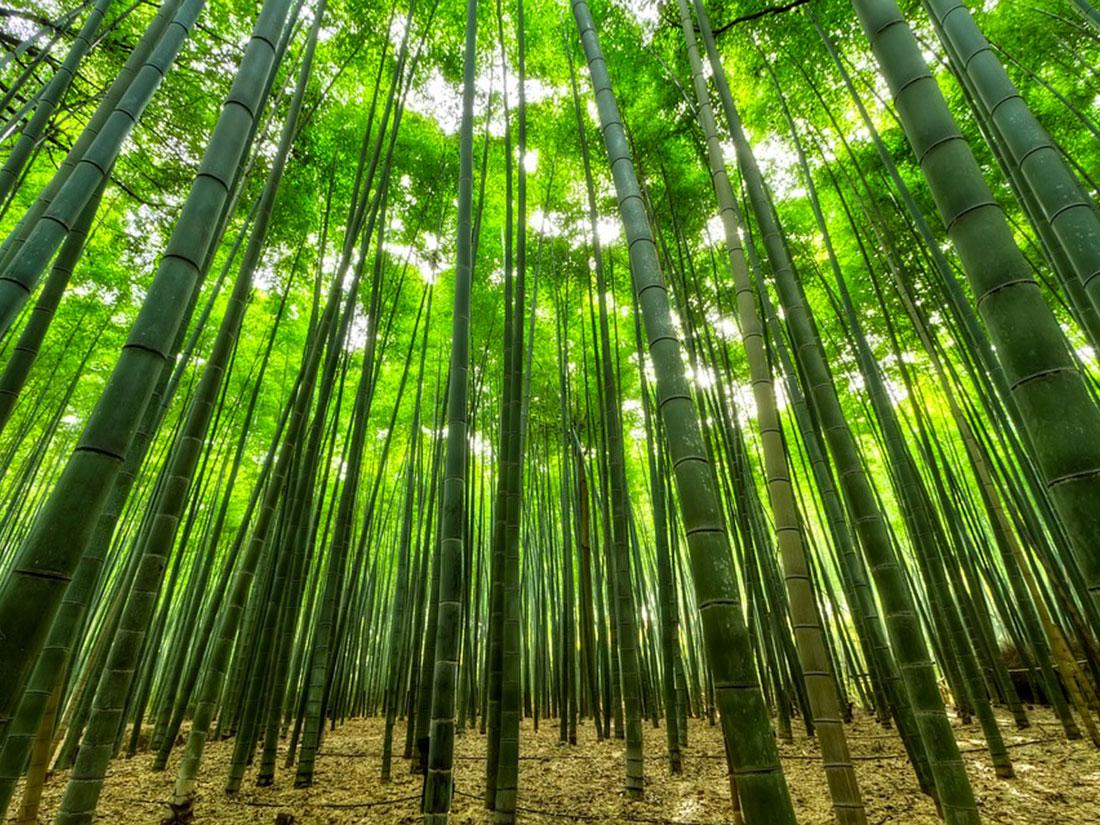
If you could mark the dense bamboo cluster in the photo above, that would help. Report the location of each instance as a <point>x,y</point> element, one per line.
<point>709,435</point>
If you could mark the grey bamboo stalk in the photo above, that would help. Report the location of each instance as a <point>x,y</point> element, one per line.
<point>587,636</point>
<point>1050,194</point>
<point>873,635</point>
<point>753,753</point>
<point>98,745</point>
<point>805,618</point>
<point>1059,415</point>
<point>953,788</point>
<point>511,624</point>
<point>438,784</point>
<point>624,610</point>
<point>494,643</point>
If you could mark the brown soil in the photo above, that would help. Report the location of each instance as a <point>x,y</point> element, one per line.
<point>1056,782</point>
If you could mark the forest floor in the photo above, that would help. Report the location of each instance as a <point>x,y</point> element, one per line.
<point>1056,781</point>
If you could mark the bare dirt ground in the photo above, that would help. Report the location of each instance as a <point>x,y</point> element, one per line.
<point>1056,781</point>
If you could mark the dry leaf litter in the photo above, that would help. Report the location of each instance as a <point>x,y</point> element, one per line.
<point>1057,782</point>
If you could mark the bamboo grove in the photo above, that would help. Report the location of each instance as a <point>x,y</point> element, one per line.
<point>475,366</point>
